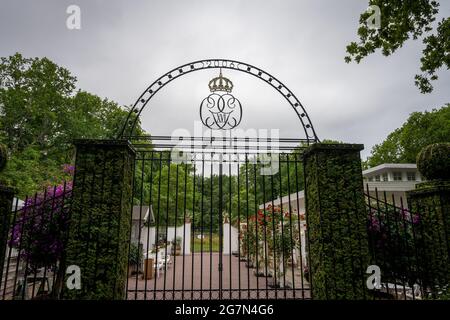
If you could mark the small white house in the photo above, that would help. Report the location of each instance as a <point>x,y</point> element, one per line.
<point>392,179</point>
<point>143,231</point>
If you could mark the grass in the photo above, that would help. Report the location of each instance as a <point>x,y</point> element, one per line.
<point>197,245</point>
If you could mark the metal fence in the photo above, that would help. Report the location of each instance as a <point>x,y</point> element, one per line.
<point>213,227</point>
<point>394,243</point>
<point>224,235</point>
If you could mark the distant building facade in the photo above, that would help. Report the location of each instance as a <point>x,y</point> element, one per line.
<point>390,179</point>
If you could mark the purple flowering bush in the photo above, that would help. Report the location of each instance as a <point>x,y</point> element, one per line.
<point>393,243</point>
<point>40,226</point>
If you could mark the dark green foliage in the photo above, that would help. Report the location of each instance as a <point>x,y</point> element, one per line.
<point>432,201</point>
<point>400,21</point>
<point>420,130</point>
<point>284,240</point>
<point>136,254</point>
<point>393,241</point>
<point>40,114</point>
<point>3,156</point>
<point>336,221</point>
<point>433,161</point>
<point>100,223</point>
<point>167,185</point>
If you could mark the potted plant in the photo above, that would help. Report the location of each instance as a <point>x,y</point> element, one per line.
<point>176,246</point>
<point>135,259</point>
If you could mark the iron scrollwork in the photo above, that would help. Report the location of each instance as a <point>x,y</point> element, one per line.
<point>127,129</point>
<point>221,111</point>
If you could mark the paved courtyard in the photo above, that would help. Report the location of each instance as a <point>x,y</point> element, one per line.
<point>192,277</point>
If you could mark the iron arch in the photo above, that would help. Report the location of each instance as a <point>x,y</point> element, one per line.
<point>175,73</point>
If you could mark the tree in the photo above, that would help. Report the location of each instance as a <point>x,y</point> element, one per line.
<point>420,130</point>
<point>41,114</point>
<point>400,21</point>
<point>173,194</point>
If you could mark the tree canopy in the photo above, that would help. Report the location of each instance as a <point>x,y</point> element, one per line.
<point>419,130</point>
<point>40,115</point>
<point>400,21</point>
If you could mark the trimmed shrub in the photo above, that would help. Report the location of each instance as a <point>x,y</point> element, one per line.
<point>99,230</point>
<point>433,161</point>
<point>433,204</point>
<point>336,220</point>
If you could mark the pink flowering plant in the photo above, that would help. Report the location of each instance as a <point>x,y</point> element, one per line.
<point>393,242</point>
<point>40,226</point>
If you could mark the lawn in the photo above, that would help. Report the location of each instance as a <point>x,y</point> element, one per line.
<point>197,245</point>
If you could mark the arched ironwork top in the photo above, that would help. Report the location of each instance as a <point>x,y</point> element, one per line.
<point>158,84</point>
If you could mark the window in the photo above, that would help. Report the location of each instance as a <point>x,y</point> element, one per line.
<point>385,177</point>
<point>377,178</point>
<point>397,176</point>
<point>411,176</point>
<point>370,179</point>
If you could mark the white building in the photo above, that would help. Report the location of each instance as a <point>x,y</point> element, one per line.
<point>291,202</point>
<point>392,179</point>
<point>143,231</point>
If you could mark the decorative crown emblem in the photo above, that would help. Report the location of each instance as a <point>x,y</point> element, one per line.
<point>220,83</point>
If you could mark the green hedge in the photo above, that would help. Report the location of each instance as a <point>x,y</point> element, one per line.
<point>336,221</point>
<point>433,161</point>
<point>431,200</point>
<point>100,222</point>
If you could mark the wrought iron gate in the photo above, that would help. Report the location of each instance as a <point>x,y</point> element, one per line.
<point>208,222</point>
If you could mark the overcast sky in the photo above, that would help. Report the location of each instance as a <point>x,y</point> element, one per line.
<point>123,46</point>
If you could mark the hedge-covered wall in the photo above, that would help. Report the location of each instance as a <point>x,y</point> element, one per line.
<point>100,219</point>
<point>6,202</point>
<point>336,221</point>
<point>431,200</point>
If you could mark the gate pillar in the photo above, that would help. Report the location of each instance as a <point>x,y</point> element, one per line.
<point>431,201</point>
<point>336,221</point>
<point>98,240</point>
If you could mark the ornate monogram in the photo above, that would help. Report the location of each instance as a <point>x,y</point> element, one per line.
<point>221,111</point>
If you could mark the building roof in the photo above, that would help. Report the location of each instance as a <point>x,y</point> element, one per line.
<point>285,199</point>
<point>385,166</point>
<point>144,213</point>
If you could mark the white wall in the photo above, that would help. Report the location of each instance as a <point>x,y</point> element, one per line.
<point>233,233</point>
<point>184,230</point>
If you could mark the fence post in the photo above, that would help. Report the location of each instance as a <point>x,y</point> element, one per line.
<point>6,204</point>
<point>336,221</point>
<point>431,200</point>
<point>98,240</point>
